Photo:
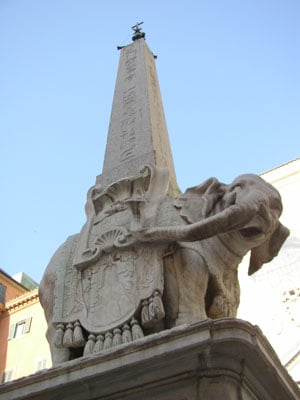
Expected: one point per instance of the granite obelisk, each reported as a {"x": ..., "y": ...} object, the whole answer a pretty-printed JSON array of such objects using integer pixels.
[{"x": 137, "y": 132}]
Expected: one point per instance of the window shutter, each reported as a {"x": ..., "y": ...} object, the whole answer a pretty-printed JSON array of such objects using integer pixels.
[
  {"x": 27, "y": 325},
  {"x": 2, "y": 293},
  {"x": 12, "y": 331}
]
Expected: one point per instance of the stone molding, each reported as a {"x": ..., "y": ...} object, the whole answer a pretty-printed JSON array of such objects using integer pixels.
[
  {"x": 213, "y": 359},
  {"x": 24, "y": 300}
]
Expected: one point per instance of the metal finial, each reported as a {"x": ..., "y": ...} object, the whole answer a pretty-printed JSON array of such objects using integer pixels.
[{"x": 138, "y": 34}]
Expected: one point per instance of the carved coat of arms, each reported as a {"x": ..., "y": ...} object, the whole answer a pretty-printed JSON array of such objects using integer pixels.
[{"x": 109, "y": 280}]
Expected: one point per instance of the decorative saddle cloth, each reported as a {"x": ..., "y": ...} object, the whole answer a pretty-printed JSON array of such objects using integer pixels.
[{"x": 109, "y": 286}]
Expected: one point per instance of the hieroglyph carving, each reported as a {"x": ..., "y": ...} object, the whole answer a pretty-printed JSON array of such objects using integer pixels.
[{"x": 129, "y": 109}]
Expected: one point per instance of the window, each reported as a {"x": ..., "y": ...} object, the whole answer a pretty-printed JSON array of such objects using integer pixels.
[
  {"x": 7, "y": 376},
  {"x": 20, "y": 328},
  {"x": 2, "y": 293}
]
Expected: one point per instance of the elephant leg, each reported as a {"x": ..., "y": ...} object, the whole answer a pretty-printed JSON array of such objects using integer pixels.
[
  {"x": 186, "y": 279},
  {"x": 171, "y": 292},
  {"x": 219, "y": 308},
  {"x": 58, "y": 354},
  {"x": 224, "y": 292}
]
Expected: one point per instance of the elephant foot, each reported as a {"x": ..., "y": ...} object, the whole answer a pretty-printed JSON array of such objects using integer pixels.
[
  {"x": 220, "y": 308},
  {"x": 60, "y": 355}
]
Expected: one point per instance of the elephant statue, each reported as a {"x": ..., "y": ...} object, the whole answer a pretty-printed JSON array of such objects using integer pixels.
[
  {"x": 199, "y": 238},
  {"x": 223, "y": 223}
]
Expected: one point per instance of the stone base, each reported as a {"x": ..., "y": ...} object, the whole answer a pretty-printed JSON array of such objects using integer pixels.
[{"x": 211, "y": 360}]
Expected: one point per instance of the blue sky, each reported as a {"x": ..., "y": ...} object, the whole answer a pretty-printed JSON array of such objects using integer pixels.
[{"x": 229, "y": 78}]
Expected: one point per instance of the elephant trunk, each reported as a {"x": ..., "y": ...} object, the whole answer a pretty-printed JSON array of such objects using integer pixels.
[{"x": 229, "y": 219}]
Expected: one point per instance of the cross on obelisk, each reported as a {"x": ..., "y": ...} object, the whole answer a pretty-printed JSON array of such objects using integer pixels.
[{"x": 137, "y": 132}]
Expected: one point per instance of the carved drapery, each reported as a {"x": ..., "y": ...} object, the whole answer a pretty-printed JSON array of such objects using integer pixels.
[{"x": 110, "y": 284}]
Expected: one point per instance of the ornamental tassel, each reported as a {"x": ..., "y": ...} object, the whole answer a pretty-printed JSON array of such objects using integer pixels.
[
  {"x": 117, "y": 340},
  {"x": 68, "y": 336},
  {"x": 59, "y": 334},
  {"x": 99, "y": 344},
  {"x": 157, "y": 306},
  {"x": 126, "y": 334},
  {"x": 108, "y": 340},
  {"x": 90, "y": 344},
  {"x": 136, "y": 330},
  {"x": 145, "y": 318},
  {"x": 78, "y": 339}
]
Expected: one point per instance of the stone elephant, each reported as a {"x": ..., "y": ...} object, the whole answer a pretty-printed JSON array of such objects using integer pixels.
[
  {"x": 223, "y": 222},
  {"x": 215, "y": 226}
]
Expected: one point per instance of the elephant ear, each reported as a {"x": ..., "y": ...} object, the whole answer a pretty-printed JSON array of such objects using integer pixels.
[
  {"x": 268, "y": 249},
  {"x": 200, "y": 201}
]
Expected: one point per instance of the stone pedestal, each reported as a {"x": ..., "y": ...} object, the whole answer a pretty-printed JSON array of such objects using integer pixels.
[{"x": 211, "y": 360}]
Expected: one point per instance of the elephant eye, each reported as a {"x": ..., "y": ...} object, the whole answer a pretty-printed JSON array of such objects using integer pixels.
[{"x": 276, "y": 205}]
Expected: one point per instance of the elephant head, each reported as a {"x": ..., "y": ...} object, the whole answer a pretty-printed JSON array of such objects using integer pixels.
[{"x": 249, "y": 206}]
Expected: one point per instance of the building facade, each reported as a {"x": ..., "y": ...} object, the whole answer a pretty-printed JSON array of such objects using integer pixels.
[
  {"x": 23, "y": 347},
  {"x": 271, "y": 297}
]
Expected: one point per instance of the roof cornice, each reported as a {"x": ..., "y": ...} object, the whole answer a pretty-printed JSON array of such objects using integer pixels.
[{"x": 22, "y": 301}]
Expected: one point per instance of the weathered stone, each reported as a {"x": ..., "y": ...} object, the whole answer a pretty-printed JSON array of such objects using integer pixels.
[
  {"x": 137, "y": 132},
  {"x": 100, "y": 277},
  {"x": 148, "y": 258},
  {"x": 212, "y": 360},
  {"x": 162, "y": 276}
]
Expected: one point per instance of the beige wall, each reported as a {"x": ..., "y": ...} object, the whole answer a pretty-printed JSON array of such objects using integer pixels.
[
  {"x": 22, "y": 354},
  {"x": 267, "y": 297}
]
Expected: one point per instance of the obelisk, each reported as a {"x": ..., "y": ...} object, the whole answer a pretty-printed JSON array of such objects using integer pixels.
[{"x": 137, "y": 132}]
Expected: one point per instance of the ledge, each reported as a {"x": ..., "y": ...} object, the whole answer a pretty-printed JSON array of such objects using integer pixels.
[
  {"x": 212, "y": 358},
  {"x": 22, "y": 300}
]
